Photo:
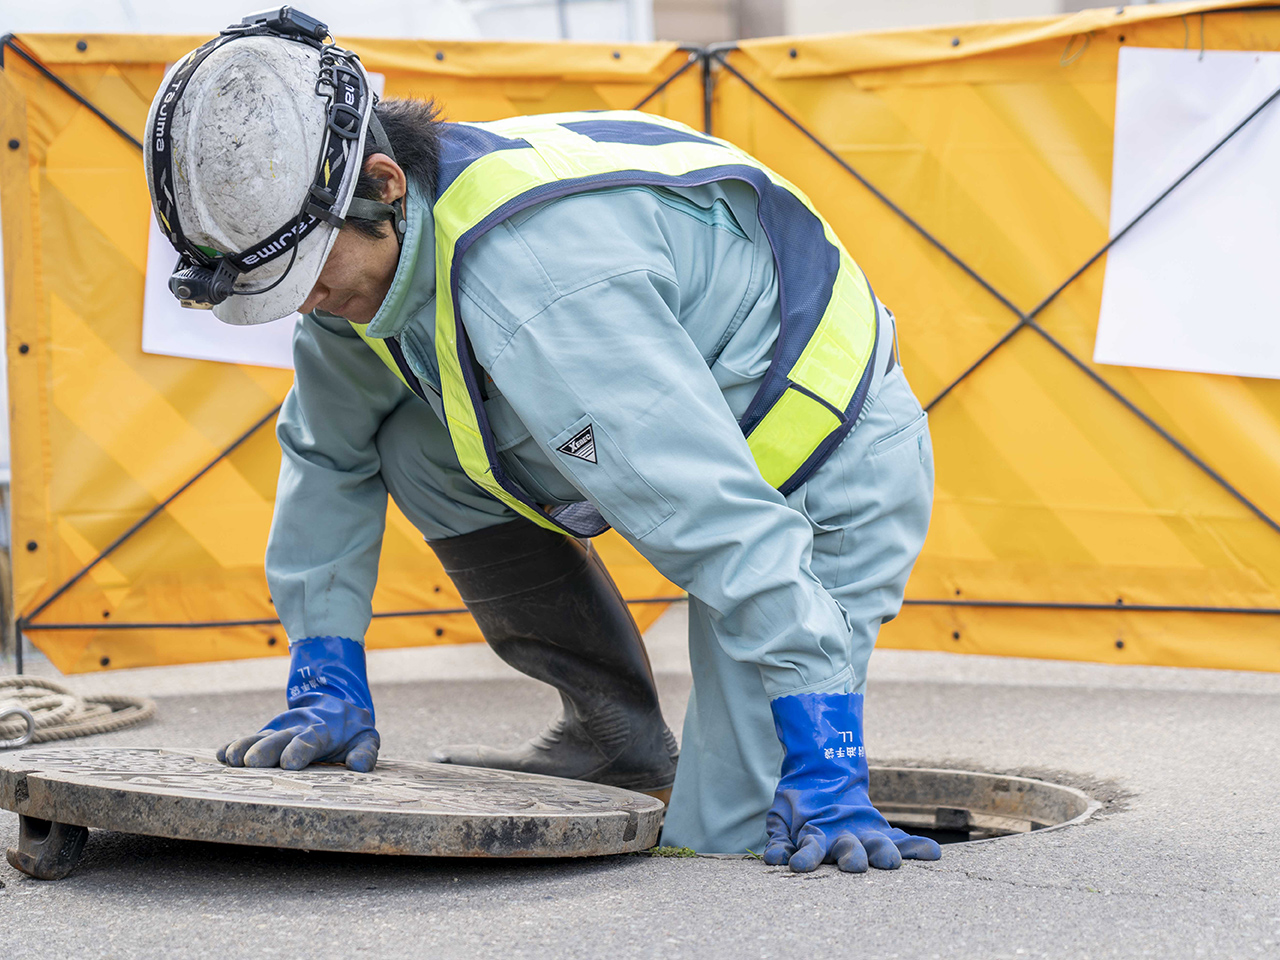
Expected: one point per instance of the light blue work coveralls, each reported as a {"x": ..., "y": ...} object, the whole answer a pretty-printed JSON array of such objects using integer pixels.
[{"x": 651, "y": 314}]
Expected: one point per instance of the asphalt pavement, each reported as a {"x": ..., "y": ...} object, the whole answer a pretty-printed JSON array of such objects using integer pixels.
[{"x": 1183, "y": 859}]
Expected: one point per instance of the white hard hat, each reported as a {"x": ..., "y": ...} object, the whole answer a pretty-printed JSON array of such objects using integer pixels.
[{"x": 246, "y": 136}]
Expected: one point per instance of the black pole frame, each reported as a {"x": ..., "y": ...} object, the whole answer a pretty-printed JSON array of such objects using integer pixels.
[
  {"x": 9, "y": 42},
  {"x": 1027, "y": 319},
  {"x": 710, "y": 61}
]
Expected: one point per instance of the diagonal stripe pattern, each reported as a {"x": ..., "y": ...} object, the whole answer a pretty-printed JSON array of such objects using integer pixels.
[{"x": 1124, "y": 515}]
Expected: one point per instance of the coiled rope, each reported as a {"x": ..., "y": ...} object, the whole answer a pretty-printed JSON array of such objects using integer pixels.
[{"x": 57, "y": 714}]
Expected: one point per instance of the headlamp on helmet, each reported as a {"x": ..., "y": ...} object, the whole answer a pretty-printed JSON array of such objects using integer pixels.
[{"x": 203, "y": 276}]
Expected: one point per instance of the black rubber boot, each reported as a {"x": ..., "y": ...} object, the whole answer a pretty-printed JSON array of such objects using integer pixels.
[{"x": 546, "y": 605}]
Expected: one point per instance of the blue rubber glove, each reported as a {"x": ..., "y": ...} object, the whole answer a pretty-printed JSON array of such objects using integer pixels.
[
  {"x": 330, "y": 715},
  {"x": 821, "y": 812}
]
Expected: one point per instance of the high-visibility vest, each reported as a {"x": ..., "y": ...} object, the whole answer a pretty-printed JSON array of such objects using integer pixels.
[{"x": 821, "y": 370}]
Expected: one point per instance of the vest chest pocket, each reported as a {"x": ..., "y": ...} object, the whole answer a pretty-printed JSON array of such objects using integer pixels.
[{"x": 599, "y": 469}]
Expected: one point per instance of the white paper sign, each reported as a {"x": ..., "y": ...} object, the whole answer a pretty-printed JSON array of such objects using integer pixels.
[
  {"x": 170, "y": 329},
  {"x": 1196, "y": 285},
  {"x": 175, "y": 331}
]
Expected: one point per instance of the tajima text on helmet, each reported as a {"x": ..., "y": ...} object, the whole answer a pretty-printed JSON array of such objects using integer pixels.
[
  {"x": 162, "y": 112},
  {"x": 275, "y": 246},
  {"x": 162, "y": 119}
]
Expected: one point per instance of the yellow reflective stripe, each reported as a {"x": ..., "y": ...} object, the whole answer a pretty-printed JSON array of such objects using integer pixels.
[
  {"x": 380, "y": 348},
  {"x": 537, "y": 516},
  {"x": 469, "y": 446},
  {"x": 830, "y": 366},
  {"x": 789, "y": 433},
  {"x": 674, "y": 159},
  {"x": 836, "y": 356},
  {"x": 462, "y": 423},
  {"x": 500, "y": 176},
  {"x": 486, "y": 185}
]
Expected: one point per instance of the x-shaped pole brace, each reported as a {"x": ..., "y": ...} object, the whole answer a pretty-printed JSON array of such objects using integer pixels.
[{"x": 1027, "y": 319}]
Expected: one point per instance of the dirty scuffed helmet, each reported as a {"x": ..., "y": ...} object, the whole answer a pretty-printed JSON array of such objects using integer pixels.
[{"x": 245, "y": 142}]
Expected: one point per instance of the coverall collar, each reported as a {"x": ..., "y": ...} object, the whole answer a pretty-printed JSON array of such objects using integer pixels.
[{"x": 414, "y": 285}]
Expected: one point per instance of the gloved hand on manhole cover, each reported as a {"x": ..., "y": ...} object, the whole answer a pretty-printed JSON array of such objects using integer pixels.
[
  {"x": 821, "y": 812},
  {"x": 330, "y": 717}
]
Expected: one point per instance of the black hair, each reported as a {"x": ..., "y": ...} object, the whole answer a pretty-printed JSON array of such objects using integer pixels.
[{"x": 412, "y": 128}]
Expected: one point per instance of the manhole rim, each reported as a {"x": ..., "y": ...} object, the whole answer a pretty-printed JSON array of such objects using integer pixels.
[{"x": 1092, "y": 805}]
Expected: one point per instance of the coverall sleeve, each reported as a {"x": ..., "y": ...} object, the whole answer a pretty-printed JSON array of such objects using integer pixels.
[
  {"x": 672, "y": 471},
  {"x": 331, "y": 504}
]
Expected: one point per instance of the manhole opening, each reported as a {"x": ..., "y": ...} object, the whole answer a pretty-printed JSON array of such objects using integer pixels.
[{"x": 960, "y": 806}]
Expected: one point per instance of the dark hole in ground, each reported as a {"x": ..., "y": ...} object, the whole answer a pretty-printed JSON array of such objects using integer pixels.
[
  {"x": 959, "y": 806},
  {"x": 942, "y": 836},
  {"x": 959, "y": 836}
]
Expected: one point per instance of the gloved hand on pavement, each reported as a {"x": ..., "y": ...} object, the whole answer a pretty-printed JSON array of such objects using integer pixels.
[
  {"x": 330, "y": 716},
  {"x": 821, "y": 812}
]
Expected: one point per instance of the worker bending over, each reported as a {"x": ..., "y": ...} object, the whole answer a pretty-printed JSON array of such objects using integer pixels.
[{"x": 526, "y": 332}]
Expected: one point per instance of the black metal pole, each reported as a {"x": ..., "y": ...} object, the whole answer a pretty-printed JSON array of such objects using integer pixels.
[
  {"x": 147, "y": 518},
  {"x": 1118, "y": 606},
  {"x": 694, "y": 56},
  {"x": 8, "y": 41},
  {"x": 708, "y": 93},
  {"x": 274, "y": 621}
]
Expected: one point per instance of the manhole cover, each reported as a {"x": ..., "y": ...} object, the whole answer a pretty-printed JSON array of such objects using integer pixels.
[
  {"x": 401, "y": 808},
  {"x": 958, "y": 806}
]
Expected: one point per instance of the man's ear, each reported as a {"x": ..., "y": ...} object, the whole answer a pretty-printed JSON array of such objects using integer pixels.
[{"x": 384, "y": 168}]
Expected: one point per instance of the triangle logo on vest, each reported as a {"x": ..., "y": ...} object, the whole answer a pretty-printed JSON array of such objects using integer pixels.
[{"x": 581, "y": 445}]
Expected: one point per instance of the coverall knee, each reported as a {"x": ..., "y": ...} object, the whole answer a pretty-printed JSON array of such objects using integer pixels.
[{"x": 869, "y": 508}]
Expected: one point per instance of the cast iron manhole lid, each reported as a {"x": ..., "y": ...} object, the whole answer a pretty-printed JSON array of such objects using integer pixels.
[{"x": 403, "y": 807}]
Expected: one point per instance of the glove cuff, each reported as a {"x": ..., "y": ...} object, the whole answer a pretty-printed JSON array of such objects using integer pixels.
[
  {"x": 332, "y": 666},
  {"x": 822, "y": 736}
]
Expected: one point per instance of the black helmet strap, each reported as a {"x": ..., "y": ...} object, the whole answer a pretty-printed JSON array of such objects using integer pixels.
[
  {"x": 202, "y": 279},
  {"x": 364, "y": 209}
]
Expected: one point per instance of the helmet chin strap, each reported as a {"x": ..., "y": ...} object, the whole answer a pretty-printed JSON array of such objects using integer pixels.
[
  {"x": 375, "y": 209},
  {"x": 363, "y": 209}
]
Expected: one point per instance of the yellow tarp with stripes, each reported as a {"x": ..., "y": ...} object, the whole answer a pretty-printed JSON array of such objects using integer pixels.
[
  {"x": 103, "y": 433},
  {"x": 1064, "y": 526}
]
